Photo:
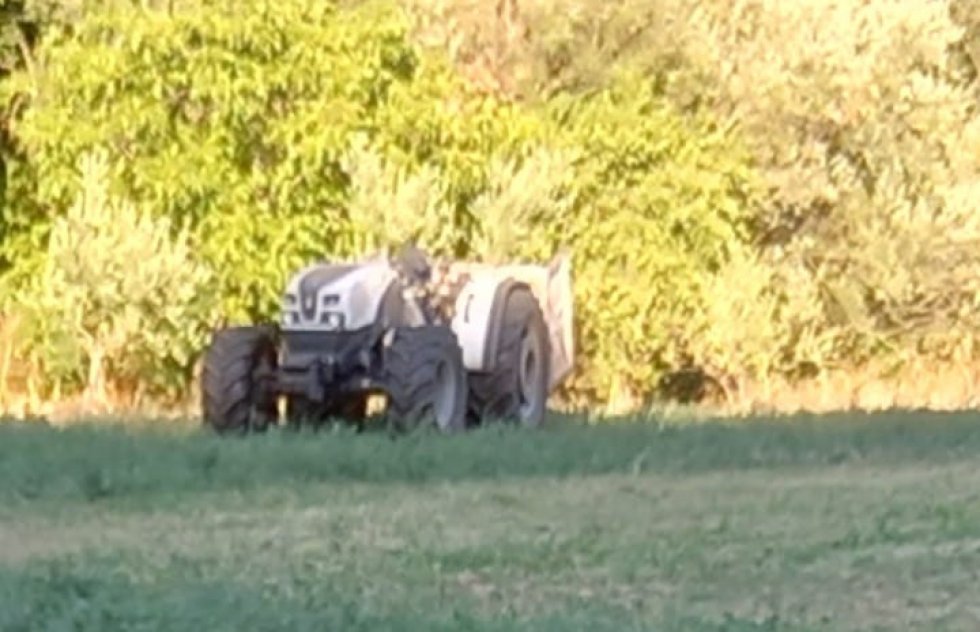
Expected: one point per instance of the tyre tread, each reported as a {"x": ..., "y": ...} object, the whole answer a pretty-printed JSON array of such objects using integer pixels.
[
  {"x": 227, "y": 386},
  {"x": 493, "y": 394},
  {"x": 410, "y": 363}
]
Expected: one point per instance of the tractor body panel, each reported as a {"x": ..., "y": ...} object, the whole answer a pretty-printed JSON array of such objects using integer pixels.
[
  {"x": 336, "y": 297},
  {"x": 334, "y": 316},
  {"x": 322, "y": 365},
  {"x": 472, "y": 317},
  {"x": 476, "y": 316}
]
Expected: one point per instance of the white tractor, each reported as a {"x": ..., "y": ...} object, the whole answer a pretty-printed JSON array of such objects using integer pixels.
[{"x": 449, "y": 344}]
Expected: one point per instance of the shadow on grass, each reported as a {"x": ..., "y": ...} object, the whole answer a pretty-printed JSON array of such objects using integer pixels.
[{"x": 94, "y": 461}]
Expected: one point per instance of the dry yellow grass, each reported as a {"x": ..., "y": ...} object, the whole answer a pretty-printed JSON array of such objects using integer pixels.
[{"x": 919, "y": 386}]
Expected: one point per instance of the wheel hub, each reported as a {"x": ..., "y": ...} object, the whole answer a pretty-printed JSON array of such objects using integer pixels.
[
  {"x": 444, "y": 403},
  {"x": 528, "y": 375}
]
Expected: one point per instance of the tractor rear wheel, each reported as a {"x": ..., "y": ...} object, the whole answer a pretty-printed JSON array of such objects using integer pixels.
[
  {"x": 516, "y": 389},
  {"x": 425, "y": 379},
  {"x": 233, "y": 398}
]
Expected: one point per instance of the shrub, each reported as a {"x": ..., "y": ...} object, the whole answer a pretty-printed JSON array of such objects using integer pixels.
[
  {"x": 967, "y": 14},
  {"x": 389, "y": 205},
  {"x": 526, "y": 205},
  {"x": 662, "y": 203},
  {"x": 861, "y": 118},
  {"x": 651, "y": 201},
  {"x": 121, "y": 300},
  {"x": 240, "y": 120},
  {"x": 231, "y": 117},
  {"x": 532, "y": 50},
  {"x": 279, "y": 137},
  {"x": 869, "y": 137},
  {"x": 442, "y": 121}
]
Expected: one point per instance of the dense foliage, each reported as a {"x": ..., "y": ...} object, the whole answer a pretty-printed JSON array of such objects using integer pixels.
[
  {"x": 861, "y": 119},
  {"x": 118, "y": 292},
  {"x": 735, "y": 200}
]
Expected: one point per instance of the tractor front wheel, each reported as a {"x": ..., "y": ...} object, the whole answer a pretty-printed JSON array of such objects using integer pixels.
[
  {"x": 425, "y": 379},
  {"x": 233, "y": 397}
]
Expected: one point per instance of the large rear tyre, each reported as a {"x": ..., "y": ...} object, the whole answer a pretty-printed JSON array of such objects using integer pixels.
[
  {"x": 516, "y": 389},
  {"x": 233, "y": 397},
  {"x": 425, "y": 379}
]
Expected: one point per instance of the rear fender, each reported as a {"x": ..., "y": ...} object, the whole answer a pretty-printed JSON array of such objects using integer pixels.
[
  {"x": 479, "y": 310},
  {"x": 472, "y": 320}
]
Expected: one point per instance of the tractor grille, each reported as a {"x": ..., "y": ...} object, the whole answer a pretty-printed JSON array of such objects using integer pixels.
[{"x": 340, "y": 344}]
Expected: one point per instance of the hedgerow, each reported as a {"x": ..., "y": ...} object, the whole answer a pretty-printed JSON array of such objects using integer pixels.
[
  {"x": 861, "y": 121},
  {"x": 281, "y": 134},
  {"x": 757, "y": 188},
  {"x": 119, "y": 301}
]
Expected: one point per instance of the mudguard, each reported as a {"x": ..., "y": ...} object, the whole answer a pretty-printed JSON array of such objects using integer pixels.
[{"x": 477, "y": 319}]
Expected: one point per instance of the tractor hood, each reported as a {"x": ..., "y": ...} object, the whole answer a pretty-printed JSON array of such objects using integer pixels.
[{"x": 334, "y": 297}]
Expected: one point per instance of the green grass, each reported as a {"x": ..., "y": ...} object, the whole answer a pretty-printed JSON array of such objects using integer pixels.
[{"x": 840, "y": 523}]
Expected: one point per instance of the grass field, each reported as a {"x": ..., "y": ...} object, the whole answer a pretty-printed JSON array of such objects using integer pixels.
[{"x": 838, "y": 523}]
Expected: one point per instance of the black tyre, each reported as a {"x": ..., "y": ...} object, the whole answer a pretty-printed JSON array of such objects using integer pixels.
[
  {"x": 425, "y": 379},
  {"x": 517, "y": 387},
  {"x": 233, "y": 398}
]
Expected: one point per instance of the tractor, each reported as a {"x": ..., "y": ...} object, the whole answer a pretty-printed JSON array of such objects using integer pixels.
[{"x": 444, "y": 344}]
